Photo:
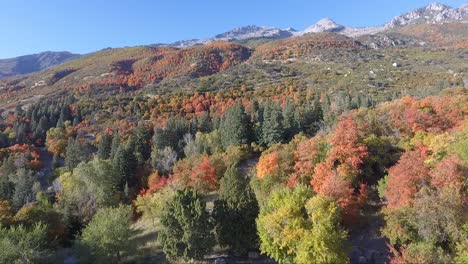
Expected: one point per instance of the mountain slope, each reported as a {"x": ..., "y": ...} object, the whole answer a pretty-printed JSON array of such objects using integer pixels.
[
  {"x": 125, "y": 68},
  {"x": 32, "y": 63},
  {"x": 236, "y": 35}
]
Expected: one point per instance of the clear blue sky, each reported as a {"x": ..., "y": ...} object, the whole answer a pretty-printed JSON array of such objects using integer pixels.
[{"x": 81, "y": 26}]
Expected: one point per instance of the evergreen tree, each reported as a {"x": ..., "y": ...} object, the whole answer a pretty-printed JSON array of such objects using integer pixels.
[
  {"x": 171, "y": 135},
  {"x": 272, "y": 126},
  {"x": 186, "y": 227},
  {"x": 23, "y": 193},
  {"x": 235, "y": 213},
  {"x": 22, "y": 245},
  {"x": 73, "y": 154},
  {"x": 235, "y": 126},
  {"x": 204, "y": 123},
  {"x": 290, "y": 124},
  {"x": 105, "y": 146},
  {"x": 142, "y": 144},
  {"x": 115, "y": 144},
  {"x": 125, "y": 163}
]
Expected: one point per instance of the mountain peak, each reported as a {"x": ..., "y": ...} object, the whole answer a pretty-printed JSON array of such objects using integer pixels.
[
  {"x": 436, "y": 7},
  {"x": 324, "y": 25},
  {"x": 253, "y": 31},
  {"x": 434, "y": 13}
]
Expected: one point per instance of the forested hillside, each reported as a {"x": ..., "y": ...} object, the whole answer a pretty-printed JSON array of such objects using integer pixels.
[{"x": 318, "y": 148}]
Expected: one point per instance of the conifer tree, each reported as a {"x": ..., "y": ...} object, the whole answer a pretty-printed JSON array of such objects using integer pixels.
[
  {"x": 105, "y": 146},
  {"x": 235, "y": 126},
  {"x": 272, "y": 126},
  {"x": 186, "y": 227},
  {"x": 235, "y": 213}
]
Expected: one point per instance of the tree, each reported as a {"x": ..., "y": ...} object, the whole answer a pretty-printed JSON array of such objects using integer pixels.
[
  {"x": 19, "y": 244},
  {"x": 73, "y": 154},
  {"x": 406, "y": 177},
  {"x": 290, "y": 123},
  {"x": 171, "y": 135},
  {"x": 163, "y": 160},
  {"x": 23, "y": 181},
  {"x": 56, "y": 140},
  {"x": 6, "y": 213},
  {"x": 295, "y": 227},
  {"x": 31, "y": 214},
  {"x": 235, "y": 126},
  {"x": 235, "y": 212},
  {"x": 142, "y": 144},
  {"x": 325, "y": 241},
  {"x": 272, "y": 126},
  {"x": 201, "y": 173},
  {"x": 105, "y": 146},
  {"x": 282, "y": 223},
  {"x": 125, "y": 163},
  {"x": 186, "y": 227},
  {"x": 91, "y": 186},
  {"x": 115, "y": 144},
  {"x": 108, "y": 234}
]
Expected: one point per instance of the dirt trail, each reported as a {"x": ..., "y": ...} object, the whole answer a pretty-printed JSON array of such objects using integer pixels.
[{"x": 368, "y": 246}]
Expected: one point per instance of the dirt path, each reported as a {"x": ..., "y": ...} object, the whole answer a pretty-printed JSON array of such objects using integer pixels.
[
  {"x": 46, "y": 169},
  {"x": 368, "y": 246}
]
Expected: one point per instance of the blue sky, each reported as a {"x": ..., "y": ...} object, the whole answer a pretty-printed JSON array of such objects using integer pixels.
[{"x": 81, "y": 26}]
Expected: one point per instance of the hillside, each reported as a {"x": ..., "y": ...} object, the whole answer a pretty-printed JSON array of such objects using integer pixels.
[
  {"x": 33, "y": 63},
  {"x": 260, "y": 145}
]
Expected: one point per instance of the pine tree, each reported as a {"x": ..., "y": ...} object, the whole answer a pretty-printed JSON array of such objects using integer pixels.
[
  {"x": 115, "y": 144},
  {"x": 290, "y": 124},
  {"x": 204, "y": 123},
  {"x": 235, "y": 126},
  {"x": 105, "y": 146},
  {"x": 235, "y": 212},
  {"x": 186, "y": 227},
  {"x": 272, "y": 126},
  {"x": 125, "y": 164},
  {"x": 142, "y": 144},
  {"x": 73, "y": 154}
]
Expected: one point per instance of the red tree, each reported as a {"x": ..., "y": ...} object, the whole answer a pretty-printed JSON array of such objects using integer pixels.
[{"x": 406, "y": 177}]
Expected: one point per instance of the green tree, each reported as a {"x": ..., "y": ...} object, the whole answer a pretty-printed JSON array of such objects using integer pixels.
[
  {"x": 171, "y": 135},
  {"x": 105, "y": 146},
  {"x": 272, "y": 126},
  {"x": 125, "y": 163},
  {"x": 31, "y": 214},
  {"x": 235, "y": 212},
  {"x": 115, "y": 144},
  {"x": 19, "y": 244},
  {"x": 24, "y": 180},
  {"x": 325, "y": 240},
  {"x": 295, "y": 227},
  {"x": 186, "y": 227},
  {"x": 107, "y": 236},
  {"x": 142, "y": 144},
  {"x": 235, "y": 126},
  {"x": 73, "y": 154},
  {"x": 290, "y": 123},
  {"x": 91, "y": 186}
]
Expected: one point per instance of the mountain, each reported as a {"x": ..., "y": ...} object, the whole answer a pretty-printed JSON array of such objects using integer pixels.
[
  {"x": 32, "y": 63},
  {"x": 328, "y": 25},
  {"x": 236, "y": 35},
  {"x": 434, "y": 13}
]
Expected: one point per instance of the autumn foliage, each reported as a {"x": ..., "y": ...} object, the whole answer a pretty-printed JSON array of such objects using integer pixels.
[{"x": 406, "y": 177}]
